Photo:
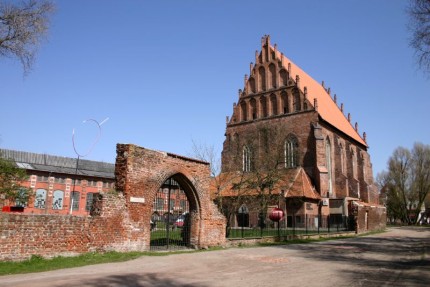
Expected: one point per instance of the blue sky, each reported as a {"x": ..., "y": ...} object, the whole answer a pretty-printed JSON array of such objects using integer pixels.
[{"x": 166, "y": 73}]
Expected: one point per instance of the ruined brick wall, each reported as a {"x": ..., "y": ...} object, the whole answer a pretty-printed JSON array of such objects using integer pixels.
[
  {"x": 140, "y": 172},
  {"x": 23, "y": 235},
  {"x": 371, "y": 218}
]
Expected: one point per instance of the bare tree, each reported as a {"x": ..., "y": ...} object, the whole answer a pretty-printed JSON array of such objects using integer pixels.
[
  {"x": 419, "y": 11},
  {"x": 263, "y": 178},
  {"x": 22, "y": 26},
  {"x": 407, "y": 182}
]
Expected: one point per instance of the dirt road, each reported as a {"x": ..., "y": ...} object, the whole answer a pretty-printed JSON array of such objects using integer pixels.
[{"x": 399, "y": 257}]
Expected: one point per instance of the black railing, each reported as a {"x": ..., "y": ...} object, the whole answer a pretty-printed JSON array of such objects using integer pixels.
[{"x": 289, "y": 225}]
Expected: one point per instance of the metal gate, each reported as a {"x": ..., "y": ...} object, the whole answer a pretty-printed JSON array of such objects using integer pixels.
[{"x": 170, "y": 219}]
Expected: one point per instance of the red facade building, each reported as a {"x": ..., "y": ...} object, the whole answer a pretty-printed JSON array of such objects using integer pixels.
[{"x": 61, "y": 185}]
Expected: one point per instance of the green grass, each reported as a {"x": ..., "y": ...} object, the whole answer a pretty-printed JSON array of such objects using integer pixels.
[{"x": 38, "y": 264}]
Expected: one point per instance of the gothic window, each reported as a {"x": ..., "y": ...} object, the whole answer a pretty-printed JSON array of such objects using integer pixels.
[
  {"x": 247, "y": 159},
  {"x": 272, "y": 73},
  {"x": 342, "y": 159},
  {"x": 284, "y": 77},
  {"x": 244, "y": 111},
  {"x": 253, "y": 104},
  {"x": 263, "y": 106},
  {"x": 40, "y": 200},
  {"x": 291, "y": 152},
  {"x": 284, "y": 99},
  {"x": 58, "y": 199},
  {"x": 354, "y": 163},
  {"x": 262, "y": 78},
  {"x": 329, "y": 165},
  {"x": 251, "y": 82},
  {"x": 274, "y": 104},
  {"x": 297, "y": 103}
]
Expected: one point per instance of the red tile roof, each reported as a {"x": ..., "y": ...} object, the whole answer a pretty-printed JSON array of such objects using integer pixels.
[
  {"x": 327, "y": 108},
  {"x": 294, "y": 182}
]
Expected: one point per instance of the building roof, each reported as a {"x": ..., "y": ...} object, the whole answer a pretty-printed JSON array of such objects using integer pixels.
[
  {"x": 58, "y": 164},
  {"x": 327, "y": 108},
  {"x": 294, "y": 182},
  {"x": 300, "y": 185}
]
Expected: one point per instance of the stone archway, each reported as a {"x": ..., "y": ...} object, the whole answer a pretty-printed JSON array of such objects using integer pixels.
[{"x": 139, "y": 174}]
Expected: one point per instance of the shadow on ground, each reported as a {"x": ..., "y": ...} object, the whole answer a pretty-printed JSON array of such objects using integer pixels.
[
  {"x": 403, "y": 261},
  {"x": 130, "y": 280}
]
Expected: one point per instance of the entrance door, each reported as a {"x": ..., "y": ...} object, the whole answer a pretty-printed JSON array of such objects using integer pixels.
[{"x": 170, "y": 220}]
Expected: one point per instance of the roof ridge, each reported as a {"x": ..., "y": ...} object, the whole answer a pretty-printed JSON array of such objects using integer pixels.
[{"x": 316, "y": 91}]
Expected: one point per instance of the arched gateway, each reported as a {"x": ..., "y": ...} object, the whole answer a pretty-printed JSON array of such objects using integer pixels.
[{"x": 150, "y": 181}]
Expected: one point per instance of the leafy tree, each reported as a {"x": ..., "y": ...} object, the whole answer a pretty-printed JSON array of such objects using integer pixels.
[
  {"x": 22, "y": 26},
  {"x": 419, "y": 12},
  {"x": 11, "y": 191},
  {"x": 407, "y": 182}
]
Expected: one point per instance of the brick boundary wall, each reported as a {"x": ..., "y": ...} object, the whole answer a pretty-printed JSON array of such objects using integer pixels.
[
  {"x": 376, "y": 218},
  {"x": 123, "y": 224},
  {"x": 24, "y": 235}
]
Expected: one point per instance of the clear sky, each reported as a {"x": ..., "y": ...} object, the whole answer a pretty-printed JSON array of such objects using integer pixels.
[{"x": 166, "y": 73}]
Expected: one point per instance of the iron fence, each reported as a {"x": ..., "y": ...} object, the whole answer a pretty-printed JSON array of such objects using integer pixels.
[{"x": 256, "y": 225}]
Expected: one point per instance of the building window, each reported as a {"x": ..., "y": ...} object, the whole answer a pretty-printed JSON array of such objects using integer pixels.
[
  {"x": 159, "y": 203},
  {"x": 291, "y": 151},
  {"x": 342, "y": 159},
  {"x": 184, "y": 205},
  {"x": 329, "y": 166},
  {"x": 58, "y": 199},
  {"x": 40, "y": 199},
  {"x": 90, "y": 200},
  {"x": 74, "y": 198},
  {"x": 246, "y": 159},
  {"x": 354, "y": 163}
]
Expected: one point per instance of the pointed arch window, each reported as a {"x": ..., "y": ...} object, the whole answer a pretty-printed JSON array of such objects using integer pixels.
[
  {"x": 342, "y": 159},
  {"x": 253, "y": 106},
  {"x": 291, "y": 152},
  {"x": 262, "y": 78},
  {"x": 283, "y": 74},
  {"x": 284, "y": 100},
  {"x": 244, "y": 111},
  {"x": 297, "y": 102},
  {"x": 329, "y": 165},
  {"x": 263, "y": 107},
  {"x": 251, "y": 82},
  {"x": 247, "y": 159},
  {"x": 354, "y": 163},
  {"x": 272, "y": 74},
  {"x": 274, "y": 104}
]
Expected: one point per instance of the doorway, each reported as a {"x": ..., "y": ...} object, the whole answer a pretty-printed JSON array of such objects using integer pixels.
[{"x": 170, "y": 218}]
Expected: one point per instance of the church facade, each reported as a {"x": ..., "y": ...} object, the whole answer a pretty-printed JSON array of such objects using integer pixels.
[{"x": 288, "y": 136}]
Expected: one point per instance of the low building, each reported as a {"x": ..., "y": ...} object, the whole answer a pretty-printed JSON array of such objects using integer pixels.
[{"x": 61, "y": 185}]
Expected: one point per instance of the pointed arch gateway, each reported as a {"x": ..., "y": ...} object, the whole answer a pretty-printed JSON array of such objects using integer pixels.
[
  {"x": 171, "y": 214},
  {"x": 145, "y": 177}
]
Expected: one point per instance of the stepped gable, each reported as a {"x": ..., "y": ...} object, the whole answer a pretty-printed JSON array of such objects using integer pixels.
[{"x": 314, "y": 91}]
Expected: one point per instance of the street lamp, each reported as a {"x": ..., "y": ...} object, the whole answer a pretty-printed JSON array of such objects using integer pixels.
[{"x": 99, "y": 133}]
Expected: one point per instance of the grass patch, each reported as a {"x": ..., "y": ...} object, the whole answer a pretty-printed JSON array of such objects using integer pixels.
[{"x": 39, "y": 264}]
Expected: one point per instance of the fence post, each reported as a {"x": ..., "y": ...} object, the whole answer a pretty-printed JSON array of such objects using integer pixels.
[
  {"x": 306, "y": 223},
  {"x": 328, "y": 223}
]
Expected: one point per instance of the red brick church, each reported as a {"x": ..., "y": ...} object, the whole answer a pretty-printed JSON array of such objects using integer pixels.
[{"x": 289, "y": 136}]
